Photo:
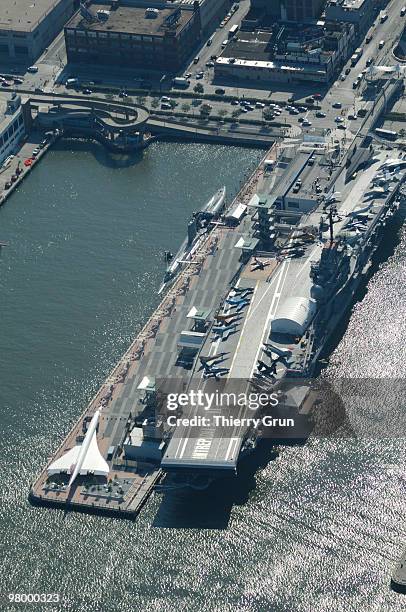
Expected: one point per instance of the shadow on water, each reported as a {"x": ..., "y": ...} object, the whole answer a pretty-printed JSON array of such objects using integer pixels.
[
  {"x": 101, "y": 154},
  {"x": 211, "y": 508}
]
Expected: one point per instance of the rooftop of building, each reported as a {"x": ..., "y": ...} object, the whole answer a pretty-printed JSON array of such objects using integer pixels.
[
  {"x": 24, "y": 16},
  {"x": 348, "y": 5},
  {"x": 5, "y": 114},
  {"x": 133, "y": 20},
  {"x": 312, "y": 177},
  {"x": 282, "y": 44},
  {"x": 304, "y": 166}
]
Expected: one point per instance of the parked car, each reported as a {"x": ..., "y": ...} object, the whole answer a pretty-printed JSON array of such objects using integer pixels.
[
  {"x": 220, "y": 91},
  {"x": 320, "y": 114},
  {"x": 32, "y": 69},
  {"x": 336, "y": 104}
]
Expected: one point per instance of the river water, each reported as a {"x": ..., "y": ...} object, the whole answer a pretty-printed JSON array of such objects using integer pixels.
[{"x": 316, "y": 529}]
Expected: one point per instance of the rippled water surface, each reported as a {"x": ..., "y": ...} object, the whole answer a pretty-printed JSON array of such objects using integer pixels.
[{"x": 317, "y": 529}]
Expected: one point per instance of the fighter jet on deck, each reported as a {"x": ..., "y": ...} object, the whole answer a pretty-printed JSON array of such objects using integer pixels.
[
  {"x": 277, "y": 350},
  {"x": 215, "y": 372},
  {"x": 243, "y": 289},
  {"x": 227, "y": 318},
  {"x": 238, "y": 303},
  {"x": 211, "y": 358},
  {"x": 360, "y": 211},
  {"x": 257, "y": 264},
  {"x": 223, "y": 331},
  {"x": 208, "y": 363},
  {"x": 263, "y": 368}
]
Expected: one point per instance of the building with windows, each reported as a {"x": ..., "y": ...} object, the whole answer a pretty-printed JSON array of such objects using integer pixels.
[
  {"x": 28, "y": 27},
  {"x": 289, "y": 53},
  {"x": 359, "y": 12},
  {"x": 12, "y": 125},
  {"x": 134, "y": 37},
  {"x": 287, "y": 10}
]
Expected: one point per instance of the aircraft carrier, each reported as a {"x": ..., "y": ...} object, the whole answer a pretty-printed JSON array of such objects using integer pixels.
[{"x": 251, "y": 312}]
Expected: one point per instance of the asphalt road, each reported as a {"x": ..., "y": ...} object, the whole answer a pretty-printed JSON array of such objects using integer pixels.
[{"x": 52, "y": 72}]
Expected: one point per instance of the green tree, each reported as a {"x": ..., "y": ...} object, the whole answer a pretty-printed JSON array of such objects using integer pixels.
[
  {"x": 141, "y": 100},
  {"x": 198, "y": 88},
  {"x": 205, "y": 110},
  {"x": 267, "y": 114},
  {"x": 185, "y": 107},
  {"x": 109, "y": 96},
  {"x": 236, "y": 113},
  {"x": 155, "y": 103},
  {"x": 223, "y": 112},
  {"x": 173, "y": 103}
]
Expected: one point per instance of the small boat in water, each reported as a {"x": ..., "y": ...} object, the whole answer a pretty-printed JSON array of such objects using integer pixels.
[{"x": 197, "y": 227}]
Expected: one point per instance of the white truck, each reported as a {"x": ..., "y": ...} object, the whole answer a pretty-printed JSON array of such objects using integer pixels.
[{"x": 180, "y": 82}]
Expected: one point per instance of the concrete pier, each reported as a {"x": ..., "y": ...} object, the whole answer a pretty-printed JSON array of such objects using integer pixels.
[{"x": 153, "y": 351}]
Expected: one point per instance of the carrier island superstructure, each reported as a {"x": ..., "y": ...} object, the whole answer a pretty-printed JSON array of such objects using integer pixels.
[{"x": 271, "y": 279}]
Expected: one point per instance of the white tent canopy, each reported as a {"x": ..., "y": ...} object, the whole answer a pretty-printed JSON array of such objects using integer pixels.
[{"x": 293, "y": 316}]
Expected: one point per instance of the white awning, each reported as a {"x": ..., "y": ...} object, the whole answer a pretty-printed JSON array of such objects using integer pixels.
[
  {"x": 238, "y": 212},
  {"x": 190, "y": 339},
  {"x": 294, "y": 316}
]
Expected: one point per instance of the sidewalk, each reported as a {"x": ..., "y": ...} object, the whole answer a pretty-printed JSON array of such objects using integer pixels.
[{"x": 25, "y": 152}]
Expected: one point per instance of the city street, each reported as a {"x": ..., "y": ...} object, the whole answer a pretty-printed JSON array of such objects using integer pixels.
[{"x": 337, "y": 103}]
